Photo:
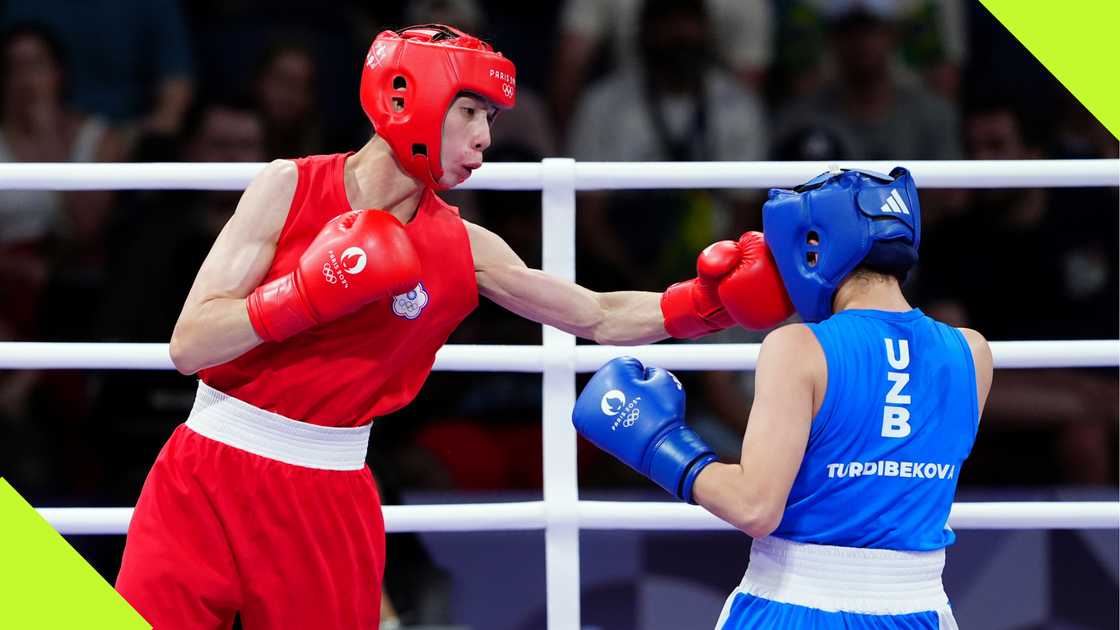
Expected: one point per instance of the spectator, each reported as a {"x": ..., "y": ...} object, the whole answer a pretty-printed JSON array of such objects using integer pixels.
[
  {"x": 741, "y": 30},
  {"x": 131, "y": 60},
  {"x": 879, "y": 115},
  {"x": 284, "y": 91},
  {"x": 935, "y": 43},
  {"x": 814, "y": 144},
  {"x": 676, "y": 105},
  {"x": 38, "y": 125},
  {"x": 932, "y": 44},
  {"x": 51, "y": 259}
]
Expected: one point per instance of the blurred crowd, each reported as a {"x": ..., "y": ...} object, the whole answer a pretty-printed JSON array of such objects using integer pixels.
[{"x": 600, "y": 80}]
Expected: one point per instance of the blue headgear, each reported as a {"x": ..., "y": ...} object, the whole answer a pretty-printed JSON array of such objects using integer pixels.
[{"x": 823, "y": 229}]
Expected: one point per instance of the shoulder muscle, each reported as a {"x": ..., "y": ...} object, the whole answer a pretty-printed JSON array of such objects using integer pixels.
[
  {"x": 263, "y": 207},
  {"x": 244, "y": 249},
  {"x": 983, "y": 362},
  {"x": 792, "y": 361},
  {"x": 488, "y": 249}
]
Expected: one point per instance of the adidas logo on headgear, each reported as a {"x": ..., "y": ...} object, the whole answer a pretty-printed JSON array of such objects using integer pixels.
[{"x": 895, "y": 204}]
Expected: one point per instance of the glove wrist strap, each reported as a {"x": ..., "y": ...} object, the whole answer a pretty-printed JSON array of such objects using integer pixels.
[
  {"x": 676, "y": 461},
  {"x": 277, "y": 310},
  {"x": 682, "y": 321}
]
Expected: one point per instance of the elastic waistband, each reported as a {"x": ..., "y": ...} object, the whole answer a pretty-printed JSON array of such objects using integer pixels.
[
  {"x": 848, "y": 579},
  {"x": 241, "y": 425}
]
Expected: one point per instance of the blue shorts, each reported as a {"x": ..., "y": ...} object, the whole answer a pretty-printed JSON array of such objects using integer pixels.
[
  {"x": 748, "y": 612},
  {"x": 821, "y": 587}
]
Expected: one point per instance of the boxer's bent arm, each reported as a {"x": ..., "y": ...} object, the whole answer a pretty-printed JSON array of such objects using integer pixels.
[
  {"x": 619, "y": 317},
  {"x": 213, "y": 326},
  {"x": 752, "y": 494}
]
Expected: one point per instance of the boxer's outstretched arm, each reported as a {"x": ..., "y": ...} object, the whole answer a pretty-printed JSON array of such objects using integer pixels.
[
  {"x": 752, "y": 494},
  {"x": 213, "y": 326},
  {"x": 619, "y": 317}
]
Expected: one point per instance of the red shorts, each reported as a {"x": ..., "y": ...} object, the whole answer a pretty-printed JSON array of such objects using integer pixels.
[{"x": 219, "y": 530}]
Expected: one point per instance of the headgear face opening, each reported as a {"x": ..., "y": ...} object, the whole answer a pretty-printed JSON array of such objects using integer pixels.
[
  {"x": 411, "y": 76},
  {"x": 822, "y": 230}
]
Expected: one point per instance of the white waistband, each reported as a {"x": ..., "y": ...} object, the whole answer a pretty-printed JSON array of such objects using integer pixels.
[
  {"x": 868, "y": 581},
  {"x": 241, "y": 425}
]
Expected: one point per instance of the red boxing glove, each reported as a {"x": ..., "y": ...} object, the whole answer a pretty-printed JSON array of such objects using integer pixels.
[
  {"x": 693, "y": 308},
  {"x": 357, "y": 258},
  {"x": 752, "y": 291}
]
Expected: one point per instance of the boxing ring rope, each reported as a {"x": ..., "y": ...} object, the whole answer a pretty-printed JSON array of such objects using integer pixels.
[
  {"x": 631, "y": 515},
  {"x": 589, "y": 175},
  {"x": 498, "y": 358},
  {"x": 561, "y": 515}
]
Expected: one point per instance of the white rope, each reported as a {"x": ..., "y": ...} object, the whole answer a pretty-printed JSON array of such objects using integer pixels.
[
  {"x": 465, "y": 517},
  {"x": 37, "y": 355},
  {"x": 495, "y": 358},
  {"x": 927, "y": 174},
  {"x": 1035, "y": 515},
  {"x": 1014, "y": 515},
  {"x": 588, "y": 175},
  {"x": 113, "y": 176},
  {"x": 734, "y": 356},
  {"x": 629, "y": 515},
  {"x": 469, "y": 517}
]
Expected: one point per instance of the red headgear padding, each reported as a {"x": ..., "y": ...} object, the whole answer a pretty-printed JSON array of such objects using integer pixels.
[{"x": 410, "y": 78}]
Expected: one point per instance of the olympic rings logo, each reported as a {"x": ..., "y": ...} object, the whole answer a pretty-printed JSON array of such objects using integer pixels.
[
  {"x": 631, "y": 417},
  {"x": 328, "y": 274},
  {"x": 507, "y": 89}
]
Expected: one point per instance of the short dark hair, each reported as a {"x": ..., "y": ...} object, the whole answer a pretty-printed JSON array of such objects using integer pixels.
[
  {"x": 41, "y": 32},
  {"x": 278, "y": 46},
  {"x": 45, "y": 35},
  {"x": 890, "y": 258},
  {"x": 981, "y": 103},
  {"x": 202, "y": 105}
]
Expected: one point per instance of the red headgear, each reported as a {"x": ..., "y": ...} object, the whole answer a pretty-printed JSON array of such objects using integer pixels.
[{"x": 410, "y": 78}]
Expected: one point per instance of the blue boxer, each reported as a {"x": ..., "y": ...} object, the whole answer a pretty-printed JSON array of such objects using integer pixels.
[{"x": 861, "y": 421}]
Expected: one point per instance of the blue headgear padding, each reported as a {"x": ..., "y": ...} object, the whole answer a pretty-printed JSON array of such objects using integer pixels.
[{"x": 842, "y": 219}]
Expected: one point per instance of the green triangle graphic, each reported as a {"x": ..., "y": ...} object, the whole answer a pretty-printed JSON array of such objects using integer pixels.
[
  {"x": 45, "y": 583},
  {"x": 1078, "y": 43}
]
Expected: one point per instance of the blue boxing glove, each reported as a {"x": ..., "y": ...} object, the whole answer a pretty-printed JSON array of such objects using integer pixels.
[{"x": 637, "y": 414}]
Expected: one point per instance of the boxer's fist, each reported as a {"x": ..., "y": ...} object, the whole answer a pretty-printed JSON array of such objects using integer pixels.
[
  {"x": 751, "y": 289},
  {"x": 357, "y": 258},
  {"x": 692, "y": 308},
  {"x": 637, "y": 415}
]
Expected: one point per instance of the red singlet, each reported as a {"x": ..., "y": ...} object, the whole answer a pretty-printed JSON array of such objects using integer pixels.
[{"x": 373, "y": 361}]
